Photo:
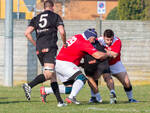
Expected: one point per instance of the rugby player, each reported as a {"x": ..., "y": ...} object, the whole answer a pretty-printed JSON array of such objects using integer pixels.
[
  {"x": 113, "y": 45},
  {"x": 46, "y": 25},
  {"x": 68, "y": 60},
  {"x": 94, "y": 69}
]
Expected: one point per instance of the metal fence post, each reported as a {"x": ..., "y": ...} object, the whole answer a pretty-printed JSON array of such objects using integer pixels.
[{"x": 8, "y": 78}]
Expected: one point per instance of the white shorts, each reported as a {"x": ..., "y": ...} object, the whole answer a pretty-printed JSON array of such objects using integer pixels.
[
  {"x": 65, "y": 70},
  {"x": 117, "y": 68}
]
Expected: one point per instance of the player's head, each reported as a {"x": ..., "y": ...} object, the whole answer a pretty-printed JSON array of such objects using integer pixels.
[
  {"x": 108, "y": 36},
  {"x": 48, "y": 4},
  {"x": 90, "y": 34}
]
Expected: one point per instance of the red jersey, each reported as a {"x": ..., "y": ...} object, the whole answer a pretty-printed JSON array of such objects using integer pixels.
[
  {"x": 77, "y": 48},
  {"x": 115, "y": 47}
]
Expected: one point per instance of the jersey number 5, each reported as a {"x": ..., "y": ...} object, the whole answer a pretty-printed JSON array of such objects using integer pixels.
[{"x": 43, "y": 20}]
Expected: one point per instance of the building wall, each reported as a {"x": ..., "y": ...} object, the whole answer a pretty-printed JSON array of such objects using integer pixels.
[
  {"x": 135, "y": 47},
  {"x": 86, "y": 10},
  {"x": 81, "y": 10},
  {"x": 74, "y": 10},
  {"x": 22, "y": 9}
]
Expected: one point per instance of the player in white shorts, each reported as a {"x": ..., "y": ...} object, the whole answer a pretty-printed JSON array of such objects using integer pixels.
[
  {"x": 68, "y": 60},
  {"x": 113, "y": 45}
]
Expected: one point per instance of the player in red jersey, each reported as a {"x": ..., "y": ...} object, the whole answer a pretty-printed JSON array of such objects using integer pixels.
[
  {"x": 113, "y": 45},
  {"x": 67, "y": 62}
]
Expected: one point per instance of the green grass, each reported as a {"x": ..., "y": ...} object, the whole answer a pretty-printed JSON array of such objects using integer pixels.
[{"x": 12, "y": 100}]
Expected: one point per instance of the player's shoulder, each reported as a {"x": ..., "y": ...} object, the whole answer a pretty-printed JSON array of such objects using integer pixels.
[
  {"x": 47, "y": 12},
  {"x": 100, "y": 38},
  {"x": 117, "y": 39},
  {"x": 101, "y": 41},
  {"x": 79, "y": 37}
]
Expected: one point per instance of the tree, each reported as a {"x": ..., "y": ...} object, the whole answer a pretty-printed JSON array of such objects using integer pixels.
[
  {"x": 113, "y": 14},
  {"x": 147, "y": 10},
  {"x": 132, "y": 9}
]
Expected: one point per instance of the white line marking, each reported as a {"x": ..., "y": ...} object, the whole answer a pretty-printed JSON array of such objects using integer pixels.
[{"x": 117, "y": 110}]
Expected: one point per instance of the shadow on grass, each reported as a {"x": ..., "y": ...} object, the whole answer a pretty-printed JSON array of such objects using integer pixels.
[
  {"x": 6, "y": 100},
  {"x": 12, "y": 102}
]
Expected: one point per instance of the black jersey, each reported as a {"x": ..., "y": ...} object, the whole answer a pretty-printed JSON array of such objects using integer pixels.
[
  {"x": 88, "y": 57},
  {"x": 100, "y": 66},
  {"x": 45, "y": 25}
]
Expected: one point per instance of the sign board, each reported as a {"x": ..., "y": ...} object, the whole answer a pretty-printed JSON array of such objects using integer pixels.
[{"x": 101, "y": 7}]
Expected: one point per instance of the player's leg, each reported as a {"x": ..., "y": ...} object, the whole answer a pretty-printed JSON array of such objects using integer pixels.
[
  {"x": 95, "y": 94},
  {"x": 110, "y": 84},
  {"x": 124, "y": 79},
  {"x": 51, "y": 75},
  {"x": 65, "y": 88},
  {"x": 90, "y": 71},
  {"x": 48, "y": 61},
  {"x": 69, "y": 71},
  {"x": 38, "y": 79},
  {"x": 78, "y": 84}
]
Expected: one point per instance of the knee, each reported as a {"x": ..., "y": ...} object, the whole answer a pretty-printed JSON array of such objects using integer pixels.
[
  {"x": 127, "y": 84},
  {"x": 48, "y": 76},
  {"x": 108, "y": 78},
  {"x": 128, "y": 88},
  {"x": 48, "y": 73}
]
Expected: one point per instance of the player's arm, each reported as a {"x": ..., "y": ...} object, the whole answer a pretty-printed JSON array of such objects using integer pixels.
[
  {"x": 100, "y": 55},
  {"x": 112, "y": 54},
  {"x": 61, "y": 29},
  {"x": 62, "y": 34},
  {"x": 88, "y": 47},
  {"x": 28, "y": 32}
]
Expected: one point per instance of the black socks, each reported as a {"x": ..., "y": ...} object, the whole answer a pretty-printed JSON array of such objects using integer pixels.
[
  {"x": 55, "y": 88},
  {"x": 39, "y": 79}
]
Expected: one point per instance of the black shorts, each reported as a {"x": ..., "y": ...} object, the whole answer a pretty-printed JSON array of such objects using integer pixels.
[
  {"x": 69, "y": 82},
  {"x": 48, "y": 57},
  {"x": 98, "y": 68}
]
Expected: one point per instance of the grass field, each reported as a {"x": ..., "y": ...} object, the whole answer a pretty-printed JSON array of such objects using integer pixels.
[{"x": 12, "y": 100}]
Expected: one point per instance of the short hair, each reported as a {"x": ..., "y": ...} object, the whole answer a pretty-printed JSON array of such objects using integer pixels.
[
  {"x": 108, "y": 33},
  {"x": 48, "y": 3}
]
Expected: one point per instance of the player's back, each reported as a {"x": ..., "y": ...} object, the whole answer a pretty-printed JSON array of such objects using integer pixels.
[
  {"x": 46, "y": 20},
  {"x": 46, "y": 29},
  {"x": 77, "y": 48}
]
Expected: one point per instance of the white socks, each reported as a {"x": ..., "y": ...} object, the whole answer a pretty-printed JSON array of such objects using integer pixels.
[
  {"x": 77, "y": 86},
  {"x": 113, "y": 91},
  {"x": 97, "y": 95},
  {"x": 49, "y": 90},
  {"x": 129, "y": 94}
]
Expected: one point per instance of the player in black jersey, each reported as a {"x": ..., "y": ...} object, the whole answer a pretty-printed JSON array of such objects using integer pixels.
[
  {"x": 94, "y": 69},
  {"x": 46, "y": 25}
]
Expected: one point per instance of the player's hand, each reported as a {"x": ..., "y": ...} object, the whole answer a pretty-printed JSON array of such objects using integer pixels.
[
  {"x": 108, "y": 53},
  {"x": 111, "y": 54},
  {"x": 92, "y": 62}
]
